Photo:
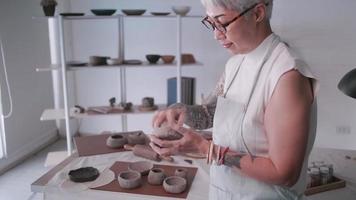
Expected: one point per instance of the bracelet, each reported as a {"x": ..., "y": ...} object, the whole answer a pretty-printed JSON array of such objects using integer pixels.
[{"x": 207, "y": 154}]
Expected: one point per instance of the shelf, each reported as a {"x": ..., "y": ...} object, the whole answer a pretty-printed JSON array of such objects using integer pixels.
[
  {"x": 47, "y": 69},
  {"x": 144, "y": 65},
  {"x": 94, "y": 17},
  {"x": 55, "y": 114}
]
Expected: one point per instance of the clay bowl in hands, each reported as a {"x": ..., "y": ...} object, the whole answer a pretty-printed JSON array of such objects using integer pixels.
[
  {"x": 174, "y": 184},
  {"x": 167, "y": 59},
  {"x": 164, "y": 132},
  {"x": 143, "y": 167},
  {"x": 156, "y": 176},
  {"x": 153, "y": 58},
  {"x": 181, "y": 172},
  {"x": 129, "y": 179},
  {"x": 116, "y": 141},
  {"x": 181, "y": 10}
]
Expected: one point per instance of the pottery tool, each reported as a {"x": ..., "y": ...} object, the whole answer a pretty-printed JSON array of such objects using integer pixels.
[{"x": 146, "y": 151}]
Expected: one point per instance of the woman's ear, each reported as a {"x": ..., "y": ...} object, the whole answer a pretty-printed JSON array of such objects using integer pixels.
[{"x": 260, "y": 12}]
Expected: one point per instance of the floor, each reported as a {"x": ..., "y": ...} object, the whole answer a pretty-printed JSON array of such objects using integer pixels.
[{"x": 15, "y": 183}]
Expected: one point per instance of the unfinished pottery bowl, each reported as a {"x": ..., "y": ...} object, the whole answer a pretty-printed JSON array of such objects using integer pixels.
[
  {"x": 143, "y": 167},
  {"x": 156, "y": 176},
  {"x": 181, "y": 10},
  {"x": 129, "y": 179},
  {"x": 153, "y": 58},
  {"x": 164, "y": 132},
  {"x": 174, "y": 184},
  {"x": 84, "y": 174},
  {"x": 116, "y": 141},
  {"x": 167, "y": 59},
  {"x": 181, "y": 172},
  {"x": 136, "y": 138}
]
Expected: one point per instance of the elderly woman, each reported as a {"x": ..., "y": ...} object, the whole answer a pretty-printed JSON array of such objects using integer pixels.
[{"x": 263, "y": 114}]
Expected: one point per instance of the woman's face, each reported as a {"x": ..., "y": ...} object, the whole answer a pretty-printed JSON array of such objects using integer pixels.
[{"x": 239, "y": 35}]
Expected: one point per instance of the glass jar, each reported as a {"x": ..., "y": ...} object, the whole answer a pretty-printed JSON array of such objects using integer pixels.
[
  {"x": 324, "y": 175},
  {"x": 315, "y": 177}
]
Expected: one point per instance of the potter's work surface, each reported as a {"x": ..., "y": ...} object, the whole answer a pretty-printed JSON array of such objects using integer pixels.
[
  {"x": 147, "y": 189},
  {"x": 85, "y": 144}
]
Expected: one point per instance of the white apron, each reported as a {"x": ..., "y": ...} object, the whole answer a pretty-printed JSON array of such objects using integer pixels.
[{"x": 227, "y": 183}]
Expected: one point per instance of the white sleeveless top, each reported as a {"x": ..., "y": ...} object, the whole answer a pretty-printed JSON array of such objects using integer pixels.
[{"x": 280, "y": 61}]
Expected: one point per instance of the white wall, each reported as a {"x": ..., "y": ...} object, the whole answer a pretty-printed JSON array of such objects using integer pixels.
[
  {"x": 322, "y": 32},
  {"x": 26, "y": 46}
]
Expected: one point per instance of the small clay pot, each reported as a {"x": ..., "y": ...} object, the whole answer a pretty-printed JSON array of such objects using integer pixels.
[
  {"x": 116, "y": 141},
  {"x": 187, "y": 58},
  {"x": 167, "y": 59},
  {"x": 152, "y": 58},
  {"x": 143, "y": 167},
  {"x": 164, "y": 132},
  {"x": 148, "y": 101},
  {"x": 181, "y": 172},
  {"x": 129, "y": 179},
  {"x": 136, "y": 138},
  {"x": 174, "y": 184},
  {"x": 156, "y": 176}
]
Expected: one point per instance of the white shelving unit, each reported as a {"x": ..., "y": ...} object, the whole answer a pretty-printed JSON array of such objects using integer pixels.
[{"x": 59, "y": 69}]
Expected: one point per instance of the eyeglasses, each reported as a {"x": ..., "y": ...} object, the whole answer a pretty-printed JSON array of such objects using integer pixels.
[{"x": 222, "y": 27}]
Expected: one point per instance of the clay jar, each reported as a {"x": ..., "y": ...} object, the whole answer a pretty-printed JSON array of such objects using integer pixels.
[
  {"x": 143, "y": 167},
  {"x": 116, "y": 141},
  {"x": 174, "y": 184},
  {"x": 181, "y": 172},
  {"x": 129, "y": 179},
  {"x": 164, "y": 132},
  {"x": 156, "y": 176},
  {"x": 136, "y": 138}
]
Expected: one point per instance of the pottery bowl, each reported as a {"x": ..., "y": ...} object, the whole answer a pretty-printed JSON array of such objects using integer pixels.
[
  {"x": 181, "y": 10},
  {"x": 164, "y": 132},
  {"x": 84, "y": 174},
  {"x": 133, "y": 11},
  {"x": 174, "y": 184},
  {"x": 114, "y": 61},
  {"x": 156, "y": 176},
  {"x": 129, "y": 179},
  {"x": 116, "y": 141},
  {"x": 167, "y": 59},
  {"x": 181, "y": 172},
  {"x": 143, "y": 167},
  {"x": 97, "y": 60},
  {"x": 187, "y": 58},
  {"x": 103, "y": 12},
  {"x": 153, "y": 58},
  {"x": 136, "y": 138}
]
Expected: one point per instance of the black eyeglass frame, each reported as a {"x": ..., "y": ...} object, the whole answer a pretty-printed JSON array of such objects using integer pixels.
[{"x": 223, "y": 26}]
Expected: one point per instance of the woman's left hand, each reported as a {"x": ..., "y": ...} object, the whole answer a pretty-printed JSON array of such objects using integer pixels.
[{"x": 190, "y": 142}]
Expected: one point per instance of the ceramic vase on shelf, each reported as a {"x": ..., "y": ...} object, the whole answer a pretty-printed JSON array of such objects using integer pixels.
[{"x": 49, "y": 7}]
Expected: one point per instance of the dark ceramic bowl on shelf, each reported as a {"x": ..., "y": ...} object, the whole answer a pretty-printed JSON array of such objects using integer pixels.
[
  {"x": 153, "y": 58},
  {"x": 103, "y": 12},
  {"x": 133, "y": 11},
  {"x": 160, "y": 13}
]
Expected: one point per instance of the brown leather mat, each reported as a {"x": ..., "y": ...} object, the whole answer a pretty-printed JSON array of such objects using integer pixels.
[
  {"x": 96, "y": 144},
  {"x": 147, "y": 189}
]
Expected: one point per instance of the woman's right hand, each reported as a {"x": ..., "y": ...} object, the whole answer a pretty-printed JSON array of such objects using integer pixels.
[{"x": 174, "y": 116}]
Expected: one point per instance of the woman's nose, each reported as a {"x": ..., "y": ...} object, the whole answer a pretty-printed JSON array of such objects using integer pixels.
[{"x": 218, "y": 35}]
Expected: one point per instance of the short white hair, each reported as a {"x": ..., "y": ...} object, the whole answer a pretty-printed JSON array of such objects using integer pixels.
[{"x": 239, "y": 5}]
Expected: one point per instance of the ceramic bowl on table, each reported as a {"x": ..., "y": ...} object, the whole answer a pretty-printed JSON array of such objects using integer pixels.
[
  {"x": 84, "y": 174},
  {"x": 136, "y": 138},
  {"x": 129, "y": 179},
  {"x": 116, "y": 141},
  {"x": 181, "y": 10},
  {"x": 181, "y": 172},
  {"x": 174, "y": 184},
  {"x": 167, "y": 59},
  {"x": 156, "y": 176},
  {"x": 143, "y": 167},
  {"x": 152, "y": 58},
  {"x": 134, "y": 12},
  {"x": 103, "y": 12}
]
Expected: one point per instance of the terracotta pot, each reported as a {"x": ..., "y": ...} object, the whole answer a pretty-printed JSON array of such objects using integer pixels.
[
  {"x": 181, "y": 172},
  {"x": 49, "y": 10},
  {"x": 116, "y": 141},
  {"x": 156, "y": 176},
  {"x": 174, "y": 184},
  {"x": 129, "y": 179}
]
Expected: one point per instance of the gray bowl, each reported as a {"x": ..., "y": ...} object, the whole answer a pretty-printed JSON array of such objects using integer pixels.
[
  {"x": 129, "y": 179},
  {"x": 116, "y": 141},
  {"x": 142, "y": 167},
  {"x": 156, "y": 176},
  {"x": 181, "y": 172},
  {"x": 174, "y": 184}
]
